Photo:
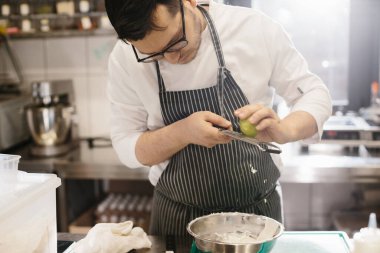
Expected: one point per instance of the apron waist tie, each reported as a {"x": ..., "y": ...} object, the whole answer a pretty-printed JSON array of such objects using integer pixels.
[{"x": 221, "y": 209}]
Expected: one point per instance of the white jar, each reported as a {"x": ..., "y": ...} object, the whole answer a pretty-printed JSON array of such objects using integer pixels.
[
  {"x": 367, "y": 240},
  {"x": 24, "y": 9},
  {"x": 84, "y": 6},
  {"x": 5, "y": 10}
]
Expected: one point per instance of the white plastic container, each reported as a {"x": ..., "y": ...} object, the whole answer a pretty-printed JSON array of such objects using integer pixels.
[
  {"x": 9, "y": 162},
  {"x": 8, "y": 172},
  {"x": 27, "y": 209},
  {"x": 368, "y": 239}
]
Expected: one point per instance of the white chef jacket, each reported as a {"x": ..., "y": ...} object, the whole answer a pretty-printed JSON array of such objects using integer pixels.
[{"x": 257, "y": 51}]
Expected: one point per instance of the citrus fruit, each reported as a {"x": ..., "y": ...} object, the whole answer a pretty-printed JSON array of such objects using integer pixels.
[{"x": 247, "y": 128}]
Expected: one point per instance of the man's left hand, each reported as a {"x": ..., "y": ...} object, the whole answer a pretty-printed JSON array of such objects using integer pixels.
[{"x": 269, "y": 126}]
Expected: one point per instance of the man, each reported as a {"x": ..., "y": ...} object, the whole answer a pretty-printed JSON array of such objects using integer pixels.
[{"x": 179, "y": 73}]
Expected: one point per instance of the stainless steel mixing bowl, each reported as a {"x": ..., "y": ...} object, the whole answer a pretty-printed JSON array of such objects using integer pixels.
[
  {"x": 249, "y": 233},
  {"x": 49, "y": 125}
]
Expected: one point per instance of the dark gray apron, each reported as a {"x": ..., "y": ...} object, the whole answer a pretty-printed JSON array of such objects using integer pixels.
[{"x": 229, "y": 177}]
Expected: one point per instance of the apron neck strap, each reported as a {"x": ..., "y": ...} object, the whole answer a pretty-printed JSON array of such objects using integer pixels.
[
  {"x": 214, "y": 37},
  {"x": 161, "y": 83},
  {"x": 219, "y": 53}
]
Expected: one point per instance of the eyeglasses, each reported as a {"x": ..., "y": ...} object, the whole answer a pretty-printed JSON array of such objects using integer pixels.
[{"x": 173, "y": 47}]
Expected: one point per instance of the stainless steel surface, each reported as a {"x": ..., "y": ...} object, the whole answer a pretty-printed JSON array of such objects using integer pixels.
[
  {"x": 4, "y": 40},
  {"x": 327, "y": 163},
  {"x": 53, "y": 150},
  {"x": 263, "y": 146},
  {"x": 321, "y": 164},
  {"x": 13, "y": 126},
  {"x": 51, "y": 117},
  {"x": 80, "y": 163},
  {"x": 351, "y": 131},
  {"x": 53, "y": 91},
  {"x": 64, "y": 33},
  {"x": 208, "y": 232},
  {"x": 289, "y": 242},
  {"x": 49, "y": 125},
  {"x": 182, "y": 244}
]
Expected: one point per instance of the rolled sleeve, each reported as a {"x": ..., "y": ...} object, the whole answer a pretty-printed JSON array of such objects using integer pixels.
[
  {"x": 125, "y": 149},
  {"x": 318, "y": 104},
  {"x": 128, "y": 115}
]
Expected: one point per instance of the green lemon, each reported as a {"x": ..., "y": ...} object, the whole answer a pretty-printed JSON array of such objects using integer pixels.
[{"x": 247, "y": 128}]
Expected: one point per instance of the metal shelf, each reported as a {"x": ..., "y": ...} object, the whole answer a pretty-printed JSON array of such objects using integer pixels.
[
  {"x": 58, "y": 16},
  {"x": 62, "y": 33}
]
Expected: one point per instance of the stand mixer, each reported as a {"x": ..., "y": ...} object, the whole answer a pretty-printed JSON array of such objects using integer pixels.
[{"x": 50, "y": 118}]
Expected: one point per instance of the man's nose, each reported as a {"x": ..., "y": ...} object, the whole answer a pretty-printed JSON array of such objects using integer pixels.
[{"x": 172, "y": 57}]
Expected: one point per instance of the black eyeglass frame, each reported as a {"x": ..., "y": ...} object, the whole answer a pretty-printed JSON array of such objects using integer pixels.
[{"x": 167, "y": 49}]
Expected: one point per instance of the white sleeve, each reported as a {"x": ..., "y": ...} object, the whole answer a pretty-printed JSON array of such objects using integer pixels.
[
  {"x": 292, "y": 80},
  {"x": 128, "y": 115}
]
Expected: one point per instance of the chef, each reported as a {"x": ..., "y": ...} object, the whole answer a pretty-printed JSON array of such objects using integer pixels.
[{"x": 179, "y": 72}]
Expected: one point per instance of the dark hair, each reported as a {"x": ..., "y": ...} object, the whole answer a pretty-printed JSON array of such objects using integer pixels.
[{"x": 133, "y": 19}]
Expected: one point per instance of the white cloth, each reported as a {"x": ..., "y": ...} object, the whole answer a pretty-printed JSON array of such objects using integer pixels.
[
  {"x": 113, "y": 238},
  {"x": 257, "y": 51}
]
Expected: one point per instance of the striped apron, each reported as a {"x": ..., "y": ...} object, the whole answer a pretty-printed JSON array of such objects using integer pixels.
[{"x": 197, "y": 181}]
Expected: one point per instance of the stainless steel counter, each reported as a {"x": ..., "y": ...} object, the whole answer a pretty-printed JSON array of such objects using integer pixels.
[
  {"x": 159, "y": 244},
  {"x": 326, "y": 163},
  {"x": 321, "y": 164},
  {"x": 81, "y": 163},
  {"x": 303, "y": 241}
]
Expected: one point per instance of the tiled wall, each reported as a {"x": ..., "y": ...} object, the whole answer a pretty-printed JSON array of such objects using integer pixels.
[{"x": 82, "y": 59}]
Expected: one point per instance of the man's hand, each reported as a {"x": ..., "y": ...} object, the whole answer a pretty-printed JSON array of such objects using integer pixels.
[
  {"x": 297, "y": 125},
  {"x": 201, "y": 128}
]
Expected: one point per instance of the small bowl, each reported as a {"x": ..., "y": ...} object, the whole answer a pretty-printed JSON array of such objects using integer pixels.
[{"x": 235, "y": 232}]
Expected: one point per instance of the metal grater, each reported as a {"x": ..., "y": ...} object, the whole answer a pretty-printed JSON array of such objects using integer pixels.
[{"x": 263, "y": 146}]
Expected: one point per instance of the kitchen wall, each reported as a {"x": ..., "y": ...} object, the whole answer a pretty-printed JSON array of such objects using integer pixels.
[{"x": 82, "y": 59}]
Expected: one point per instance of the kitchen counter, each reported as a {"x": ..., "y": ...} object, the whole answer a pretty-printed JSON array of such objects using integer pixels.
[
  {"x": 158, "y": 243},
  {"x": 328, "y": 163},
  {"x": 83, "y": 162},
  {"x": 322, "y": 163},
  {"x": 295, "y": 242}
]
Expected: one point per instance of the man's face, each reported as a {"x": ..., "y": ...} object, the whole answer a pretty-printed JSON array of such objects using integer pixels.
[{"x": 156, "y": 41}]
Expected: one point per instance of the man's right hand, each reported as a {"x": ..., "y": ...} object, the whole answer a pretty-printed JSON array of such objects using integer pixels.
[{"x": 201, "y": 128}]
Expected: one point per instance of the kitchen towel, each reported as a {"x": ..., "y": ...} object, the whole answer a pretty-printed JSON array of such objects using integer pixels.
[{"x": 113, "y": 237}]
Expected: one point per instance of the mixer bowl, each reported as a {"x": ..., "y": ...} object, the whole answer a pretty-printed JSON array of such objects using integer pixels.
[
  {"x": 49, "y": 125},
  {"x": 235, "y": 233}
]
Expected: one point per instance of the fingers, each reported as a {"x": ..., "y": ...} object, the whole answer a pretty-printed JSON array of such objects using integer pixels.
[
  {"x": 217, "y": 120},
  {"x": 245, "y": 111},
  {"x": 261, "y": 114},
  {"x": 256, "y": 113},
  {"x": 265, "y": 124},
  {"x": 202, "y": 128}
]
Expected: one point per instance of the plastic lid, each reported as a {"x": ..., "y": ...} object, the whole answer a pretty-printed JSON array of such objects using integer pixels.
[
  {"x": 372, "y": 222},
  {"x": 9, "y": 162},
  {"x": 18, "y": 188},
  {"x": 8, "y": 172},
  {"x": 26, "y": 188},
  {"x": 370, "y": 233}
]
